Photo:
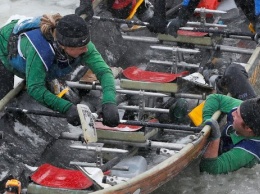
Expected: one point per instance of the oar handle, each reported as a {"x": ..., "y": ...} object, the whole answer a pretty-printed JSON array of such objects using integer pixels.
[
  {"x": 161, "y": 125},
  {"x": 35, "y": 112},
  {"x": 116, "y": 20}
]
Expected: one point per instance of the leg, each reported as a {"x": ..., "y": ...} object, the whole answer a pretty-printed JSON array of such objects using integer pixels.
[
  {"x": 6, "y": 80},
  {"x": 235, "y": 80},
  {"x": 248, "y": 8}
]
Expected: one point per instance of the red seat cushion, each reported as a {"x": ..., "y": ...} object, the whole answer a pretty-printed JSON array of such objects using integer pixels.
[{"x": 51, "y": 176}]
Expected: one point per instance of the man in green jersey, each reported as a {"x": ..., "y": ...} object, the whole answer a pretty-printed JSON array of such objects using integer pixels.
[
  {"x": 51, "y": 46},
  {"x": 239, "y": 144}
]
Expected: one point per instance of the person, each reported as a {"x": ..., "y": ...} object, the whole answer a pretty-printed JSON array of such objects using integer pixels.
[
  {"x": 239, "y": 144},
  {"x": 251, "y": 8},
  {"x": 233, "y": 80},
  {"x": 121, "y": 9},
  {"x": 51, "y": 46}
]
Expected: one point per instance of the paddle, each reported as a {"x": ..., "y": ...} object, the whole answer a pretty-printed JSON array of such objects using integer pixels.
[
  {"x": 85, "y": 115},
  {"x": 88, "y": 125}
]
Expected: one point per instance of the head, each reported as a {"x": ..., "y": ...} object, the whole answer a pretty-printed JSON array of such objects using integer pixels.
[
  {"x": 73, "y": 35},
  {"x": 247, "y": 118}
]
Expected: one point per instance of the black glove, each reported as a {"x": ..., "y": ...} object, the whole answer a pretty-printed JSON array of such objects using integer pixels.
[
  {"x": 257, "y": 30},
  {"x": 110, "y": 115},
  {"x": 173, "y": 26},
  {"x": 158, "y": 22},
  {"x": 73, "y": 116},
  {"x": 215, "y": 130},
  {"x": 85, "y": 9},
  {"x": 157, "y": 25}
]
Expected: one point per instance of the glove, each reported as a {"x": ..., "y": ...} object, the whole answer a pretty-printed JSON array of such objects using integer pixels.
[
  {"x": 110, "y": 115},
  {"x": 257, "y": 29},
  {"x": 215, "y": 130},
  {"x": 85, "y": 8},
  {"x": 158, "y": 22},
  {"x": 173, "y": 26},
  {"x": 157, "y": 25},
  {"x": 73, "y": 116}
]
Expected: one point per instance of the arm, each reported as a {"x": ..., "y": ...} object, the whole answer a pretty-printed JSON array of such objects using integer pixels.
[
  {"x": 35, "y": 80},
  {"x": 104, "y": 74},
  {"x": 85, "y": 9},
  {"x": 185, "y": 12},
  {"x": 219, "y": 102},
  {"x": 227, "y": 162}
]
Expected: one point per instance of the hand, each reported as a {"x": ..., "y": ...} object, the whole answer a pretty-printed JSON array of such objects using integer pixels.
[
  {"x": 257, "y": 30},
  {"x": 157, "y": 25},
  {"x": 110, "y": 115},
  {"x": 158, "y": 22},
  {"x": 256, "y": 38},
  {"x": 215, "y": 130},
  {"x": 73, "y": 116},
  {"x": 85, "y": 9},
  {"x": 173, "y": 26}
]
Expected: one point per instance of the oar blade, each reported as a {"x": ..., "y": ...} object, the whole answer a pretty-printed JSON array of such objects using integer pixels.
[{"x": 87, "y": 123}]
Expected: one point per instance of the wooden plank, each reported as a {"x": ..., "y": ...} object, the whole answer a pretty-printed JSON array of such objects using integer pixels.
[
  {"x": 139, "y": 136},
  {"x": 186, "y": 39},
  {"x": 158, "y": 87}
]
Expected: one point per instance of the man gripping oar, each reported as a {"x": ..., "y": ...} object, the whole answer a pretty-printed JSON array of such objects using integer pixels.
[
  {"x": 49, "y": 47},
  {"x": 121, "y": 9},
  {"x": 251, "y": 9}
]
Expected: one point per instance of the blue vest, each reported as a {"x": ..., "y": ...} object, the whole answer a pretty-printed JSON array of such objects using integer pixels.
[
  {"x": 251, "y": 146},
  {"x": 44, "y": 49}
]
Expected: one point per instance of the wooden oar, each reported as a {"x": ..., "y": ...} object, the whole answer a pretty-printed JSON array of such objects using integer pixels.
[{"x": 85, "y": 115}]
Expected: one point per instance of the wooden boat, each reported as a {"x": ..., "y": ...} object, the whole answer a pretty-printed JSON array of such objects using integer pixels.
[
  {"x": 179, "y": 155},
  {"x": 176, "y": 157}
]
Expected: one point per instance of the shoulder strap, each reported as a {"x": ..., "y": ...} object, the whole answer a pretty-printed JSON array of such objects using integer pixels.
[
  {"x": 251, "y": 146},
  {"x": 42, "y": 47}
]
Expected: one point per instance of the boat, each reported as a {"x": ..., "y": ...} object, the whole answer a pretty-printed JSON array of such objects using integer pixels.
[{"x": 117, "y": 149}]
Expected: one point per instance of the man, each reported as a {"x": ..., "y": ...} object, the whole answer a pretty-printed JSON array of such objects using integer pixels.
[
  {"x": 239, "y": 144},
  {"x": 122, "y": 9},
  {"x": 251, "y": 9},
  {"x": 50, "y": 47}
]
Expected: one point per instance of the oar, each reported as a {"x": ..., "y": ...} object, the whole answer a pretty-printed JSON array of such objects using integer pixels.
[
  {"x": 87, "y": 122},
  {"x": 161, "y": 125},
  {"x": 134, "y": 22},
  {"x": 226, "y": 34},
  {"x": 85, "y": 115}
]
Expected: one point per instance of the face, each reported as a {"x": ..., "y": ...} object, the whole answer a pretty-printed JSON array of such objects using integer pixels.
[
  {"x": 75, "y": 51},
  {"x": 239, "y": 125}
]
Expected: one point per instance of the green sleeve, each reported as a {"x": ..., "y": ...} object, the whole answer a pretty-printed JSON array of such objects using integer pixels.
[
  {"x": 36, "y": 80},
  {"x": 95, "y": 62},
  {"x": 220, "y": 102},
  {"x": 227, "y": 162},
  {"x": 5, "y": 33}
]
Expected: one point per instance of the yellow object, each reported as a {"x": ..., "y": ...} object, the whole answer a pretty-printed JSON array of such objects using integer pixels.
[
  {"x": 251, "y": 28},
  {"x": 63, "y": 92},
  {"x": 133, "y": 11},
  {"x": 196, "y": 114},
  {"x": 13, "y": 186}
]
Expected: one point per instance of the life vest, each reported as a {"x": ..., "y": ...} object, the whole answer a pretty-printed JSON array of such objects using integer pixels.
[
  {"x": 55, "y": 68},
  {"x": 121, "y": 4},
  {"x": 129, "y": 6},
  {"x": 209, "y": 4},
  {"x": 251, "y": 146}
]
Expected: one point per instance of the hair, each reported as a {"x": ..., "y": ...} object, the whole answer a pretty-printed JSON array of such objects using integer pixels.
[{"x": 48, "y": 25}]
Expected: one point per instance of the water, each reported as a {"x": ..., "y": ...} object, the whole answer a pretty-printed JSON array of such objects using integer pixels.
[{"x": 190, "y": 180}]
